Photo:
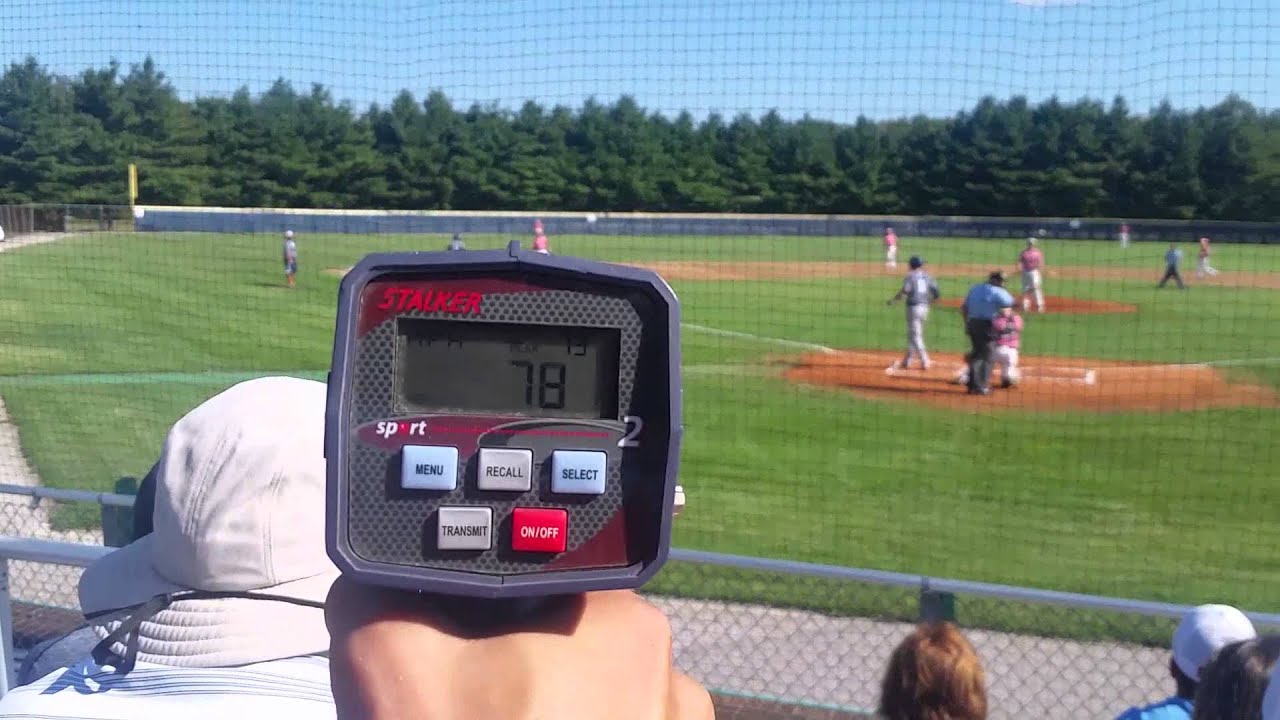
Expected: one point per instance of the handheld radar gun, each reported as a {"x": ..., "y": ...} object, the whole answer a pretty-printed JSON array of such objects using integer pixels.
[{"x": 502, "y": 425}]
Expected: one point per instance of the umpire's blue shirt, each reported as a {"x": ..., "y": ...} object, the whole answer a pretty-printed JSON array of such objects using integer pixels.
[{"x": 984, "y": 301}]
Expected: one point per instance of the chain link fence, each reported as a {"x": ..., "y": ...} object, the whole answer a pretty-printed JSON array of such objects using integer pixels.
[{"x": 768, "y": 643}]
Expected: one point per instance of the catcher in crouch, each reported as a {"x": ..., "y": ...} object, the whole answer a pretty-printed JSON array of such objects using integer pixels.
[{"x": 1007, "y": 329}]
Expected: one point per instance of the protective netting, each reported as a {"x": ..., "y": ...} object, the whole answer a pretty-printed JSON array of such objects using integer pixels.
[{"x": 780, "y": 164}]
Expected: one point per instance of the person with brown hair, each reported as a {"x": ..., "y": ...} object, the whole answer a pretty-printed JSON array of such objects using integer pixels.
[
  {"x": 1232, "y": 685},
  {"x": 934, "y": 674}
]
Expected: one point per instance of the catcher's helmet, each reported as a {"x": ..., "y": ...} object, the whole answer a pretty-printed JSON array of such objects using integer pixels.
[{"x": 915, "y": 262}]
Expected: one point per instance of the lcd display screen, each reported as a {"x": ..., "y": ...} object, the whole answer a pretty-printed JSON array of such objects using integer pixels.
[{"x": 481, "y": 367}]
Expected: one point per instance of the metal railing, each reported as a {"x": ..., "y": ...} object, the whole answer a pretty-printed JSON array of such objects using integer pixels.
[{"x": 764, "y": 631}]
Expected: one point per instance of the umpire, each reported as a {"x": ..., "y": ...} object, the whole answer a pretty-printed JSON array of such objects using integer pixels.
[{"x": 981, "y": 305}]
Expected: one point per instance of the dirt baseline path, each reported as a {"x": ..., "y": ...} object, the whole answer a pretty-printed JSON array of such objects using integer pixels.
[
  {"x": 1056, "y": 305},
  {"x": 801, "y": 270},
  {"x": 1048, "y": 384}
]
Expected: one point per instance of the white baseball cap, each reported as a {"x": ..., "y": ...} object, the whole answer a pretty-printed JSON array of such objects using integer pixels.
[
  {"x": 1204, "y": 631},
  {"x": 239, "y": 508},
  {"x": 1271, "y": 700}
]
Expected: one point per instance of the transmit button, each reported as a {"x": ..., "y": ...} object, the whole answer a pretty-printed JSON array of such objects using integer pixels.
[
  {"x": 464, "y": 528},
  {"x": 578, "y": 472},
  {"x": 429, "y": 467},
  {"x": 505, "y": 469},
  {"x": 539, "y": 530}
]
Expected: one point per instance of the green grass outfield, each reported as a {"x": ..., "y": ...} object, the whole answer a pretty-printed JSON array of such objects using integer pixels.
[{"x": 107, "y": 339}]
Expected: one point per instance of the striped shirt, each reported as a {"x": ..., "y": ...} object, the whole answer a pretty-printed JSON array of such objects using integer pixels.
[
  {"x": 290, "y": 688},
  {"x": 919, "y": 288}
]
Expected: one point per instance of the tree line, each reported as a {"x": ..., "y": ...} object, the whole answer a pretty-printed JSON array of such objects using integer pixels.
[{"x": 69, "y": 139}]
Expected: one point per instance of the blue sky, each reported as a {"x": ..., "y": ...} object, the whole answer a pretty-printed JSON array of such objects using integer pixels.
[{"x": 831, "y": 59}]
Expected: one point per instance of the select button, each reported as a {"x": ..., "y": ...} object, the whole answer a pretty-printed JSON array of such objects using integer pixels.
[{"x": 578, "y": 472}]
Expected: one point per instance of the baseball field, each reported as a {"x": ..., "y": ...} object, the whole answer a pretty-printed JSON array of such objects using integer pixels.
[{"x": 1134, "y": 460}]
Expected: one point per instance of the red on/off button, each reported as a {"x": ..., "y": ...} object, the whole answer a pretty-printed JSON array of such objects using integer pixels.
[{"x": 539, "y": 530}]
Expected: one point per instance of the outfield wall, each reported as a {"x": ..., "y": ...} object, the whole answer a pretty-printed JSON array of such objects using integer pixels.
[{"x": 367, "y": 222}]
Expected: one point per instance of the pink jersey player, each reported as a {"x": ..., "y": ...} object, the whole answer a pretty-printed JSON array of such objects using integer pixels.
[
  {"x": 1030, "y": 264},
  {"x": 890, "y": 248},
  {"x": 1204, "y": 268},
  {"x": 1124, "y": 235},
  {"x": 1008, "y": 331},
  {"x": 540, "y": 243}
]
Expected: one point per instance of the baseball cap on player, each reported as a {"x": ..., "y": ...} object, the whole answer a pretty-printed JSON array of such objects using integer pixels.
[
  {"x": 996, "y": 278},
  {"x": 915, "y": 261},
  {"x": 1031, "y": 241},
  {"x": 288, "y": 234},
  {"x": 1204, "y": 631}
]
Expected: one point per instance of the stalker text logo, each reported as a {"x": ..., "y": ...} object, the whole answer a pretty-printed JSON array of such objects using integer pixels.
[{"x": 402, "y": 299}]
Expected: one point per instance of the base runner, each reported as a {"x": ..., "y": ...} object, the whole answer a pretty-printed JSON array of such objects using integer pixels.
[{"x": 920, "y": 290}]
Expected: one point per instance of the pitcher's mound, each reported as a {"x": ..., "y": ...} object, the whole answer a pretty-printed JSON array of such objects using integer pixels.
[
  {"x": 1047, "y": 384},
  {"x": 1064, "y": 306}
]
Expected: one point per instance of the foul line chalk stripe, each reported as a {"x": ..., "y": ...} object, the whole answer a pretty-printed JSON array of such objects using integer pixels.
[{"x": 759, "y": 338}]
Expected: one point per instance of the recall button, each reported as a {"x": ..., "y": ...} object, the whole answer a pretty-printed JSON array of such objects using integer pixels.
[
  {"x": 505, "y": 469},
  {"x": 464, "y": 528},
  {"x": 579, "y": 472},
  {"x": 539, "y": 529},
  {"x": 429, "y": 467}
]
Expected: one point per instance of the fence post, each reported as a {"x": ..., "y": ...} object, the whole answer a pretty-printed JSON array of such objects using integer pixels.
[
  {"x": 117, "y": 522},
  {"x": 936, "y": 605},
  {"x": 8, "y": 666}
]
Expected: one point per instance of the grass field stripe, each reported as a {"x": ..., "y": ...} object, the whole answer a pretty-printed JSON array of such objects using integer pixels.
[
  {"x": 149, "y": 378},
  {"x": 758, "y": 338},
  {"x": 1242, "y": 362},
  {"x": 230, "y": 377}
]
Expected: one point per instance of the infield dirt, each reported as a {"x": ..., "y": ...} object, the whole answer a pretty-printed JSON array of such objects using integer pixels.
[{"x": 1048, "y": 384}]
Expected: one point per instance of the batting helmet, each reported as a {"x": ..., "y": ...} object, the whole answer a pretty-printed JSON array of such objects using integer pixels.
[{"x": 915, "y": 262}]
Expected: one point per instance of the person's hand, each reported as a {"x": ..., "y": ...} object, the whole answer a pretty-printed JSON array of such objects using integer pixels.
[{"x": 599, "y": 655}]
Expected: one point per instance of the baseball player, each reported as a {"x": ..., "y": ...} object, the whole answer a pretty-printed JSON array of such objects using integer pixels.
[
  {"x": 890, "y": 248},
  {"x": 982, "y": 305},
  {"x": 920, "y": 290},
  {"x": 1031, "y": 262},
  {"x": 1124, "y": 235},
  {"x": 1204, "y": 268},
  {"x": 1172, "y": 259},
  {"x": 540, "y": 239},
  {"x": 290, "y": 257},
  {"x": 1007, "y": 329},
  {"x": 456, "y": 243}
]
